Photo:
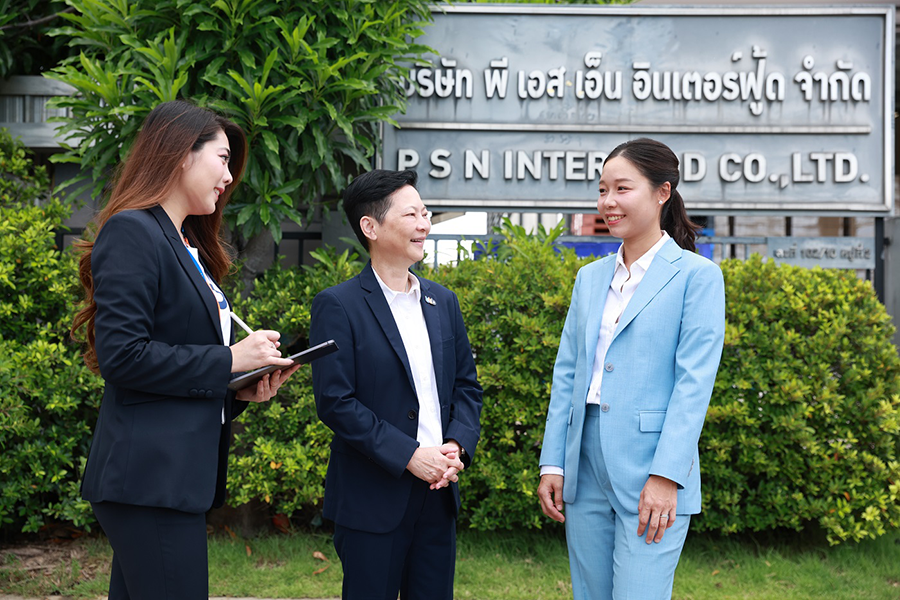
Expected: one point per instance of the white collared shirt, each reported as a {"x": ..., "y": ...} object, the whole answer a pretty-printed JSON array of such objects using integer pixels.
[
  {"x": 221, "y": 302},
  {"x": 406, "y": 307},
  {"x": 621, "y": 290}
]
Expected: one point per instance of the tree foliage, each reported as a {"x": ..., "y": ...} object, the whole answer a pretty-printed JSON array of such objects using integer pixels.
[
  {"x": 309, "y": 82},
  {"x": 25, "y": 46},
  {"x": 549, "y": 1}
]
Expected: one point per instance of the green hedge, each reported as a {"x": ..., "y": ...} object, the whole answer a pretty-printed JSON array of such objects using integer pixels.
[
  {"x": 280, "y": 450},
  {"x": 803, "y": 428},
  {"x": 514, "y": 308},
  {"x": 804, "y": 424},
  {"x": 49, "y": 399}
]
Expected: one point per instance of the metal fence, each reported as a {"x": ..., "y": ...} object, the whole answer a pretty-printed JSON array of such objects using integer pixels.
[
  {"x": 459, "y": 246},
  {"x": 715, "y": 248}
]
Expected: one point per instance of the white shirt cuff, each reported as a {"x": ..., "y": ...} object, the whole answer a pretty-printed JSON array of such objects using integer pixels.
[{"x": 551, "y": 470}]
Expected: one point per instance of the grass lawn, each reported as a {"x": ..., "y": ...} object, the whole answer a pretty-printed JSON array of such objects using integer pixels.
[{"x": 529, "y": 565}]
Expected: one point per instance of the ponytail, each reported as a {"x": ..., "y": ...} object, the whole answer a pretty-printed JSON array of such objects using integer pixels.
[{"x": 675, "y": 221}]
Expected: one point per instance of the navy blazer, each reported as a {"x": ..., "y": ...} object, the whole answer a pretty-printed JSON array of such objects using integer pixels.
[
  {"x": 365, "y": 393},
  {"x": 159, "y": 439}
]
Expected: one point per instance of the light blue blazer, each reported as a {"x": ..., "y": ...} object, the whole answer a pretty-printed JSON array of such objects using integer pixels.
[{"x": 657, "y": 380}]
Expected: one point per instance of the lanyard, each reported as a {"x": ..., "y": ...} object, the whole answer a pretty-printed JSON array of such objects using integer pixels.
[
  {"x": 197, "y": 264},
  {"x": 191, "y": 254},
  {"x": 221, "y": 302}
]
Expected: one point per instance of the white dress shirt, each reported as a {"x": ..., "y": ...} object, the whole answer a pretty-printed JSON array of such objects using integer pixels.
[
  {"x": 221, "y": 302},
  {"x": 621, "y": 289},
  {"x": 406, "y": 307}
]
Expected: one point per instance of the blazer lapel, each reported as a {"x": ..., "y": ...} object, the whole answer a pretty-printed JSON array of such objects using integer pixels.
[
  {"x": 661, "y": 271},
  {"x": 187, "y": 263},
  {"x": 597, "y": 289},
  {"x": 379, "y": 307},
  {"x": 433, "y": 325}
]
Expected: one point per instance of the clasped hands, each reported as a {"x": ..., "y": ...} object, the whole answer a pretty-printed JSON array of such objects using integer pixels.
[{"x": 437, "y": 465}]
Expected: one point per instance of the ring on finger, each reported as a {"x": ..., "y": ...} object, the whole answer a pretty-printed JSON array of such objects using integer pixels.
[{"x": 663, "y": 516}]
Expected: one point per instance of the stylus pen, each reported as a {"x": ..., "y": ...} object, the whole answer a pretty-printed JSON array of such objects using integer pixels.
[{"x": 238, "y": 320}]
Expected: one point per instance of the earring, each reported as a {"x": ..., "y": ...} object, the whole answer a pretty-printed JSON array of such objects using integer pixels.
[{"x": 661, "y": 201}]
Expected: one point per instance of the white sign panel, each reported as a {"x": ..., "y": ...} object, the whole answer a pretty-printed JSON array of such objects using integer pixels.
[
  {"x": 773, "y": 110},
  {"x": 825, "y": 252}
]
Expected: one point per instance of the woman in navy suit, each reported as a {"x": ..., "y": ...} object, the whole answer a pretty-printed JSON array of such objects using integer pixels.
[
  {"x": 158, "y": 330},
  {"x": 633, "y": 377}
]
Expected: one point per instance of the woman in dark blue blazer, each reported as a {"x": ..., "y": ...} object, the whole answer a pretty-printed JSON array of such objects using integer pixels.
[{"x": 158, "y": 330}]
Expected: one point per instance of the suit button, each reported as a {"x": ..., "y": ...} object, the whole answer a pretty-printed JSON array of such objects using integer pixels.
[
  {"x": 604, "y": 407},
  {"x": 608, "y": 367},
  {"x": 209, "y": 393},
  {"x": 411, "y": 414},
  {"x": 192, "y": 393}
]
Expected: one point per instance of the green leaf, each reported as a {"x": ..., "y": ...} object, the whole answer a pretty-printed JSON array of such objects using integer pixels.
[
  {"x": 271, "y": 141},
  {"x": 296, "y": 121},
  {"x": 245, "y": 213}
]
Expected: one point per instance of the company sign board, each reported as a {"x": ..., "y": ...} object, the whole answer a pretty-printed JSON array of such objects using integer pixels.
[{"x": 770, "y": 110}]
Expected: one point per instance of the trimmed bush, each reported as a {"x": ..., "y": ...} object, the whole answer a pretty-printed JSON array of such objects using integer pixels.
[
  {"x": 803, "y": 427},
  {"x": 36, "y": 281},
  {"x": 49, "y": 398},
  {"x": 280, "y": 451},
  {"x": 514, "y": 305},
  {"x": 804, "y": 424},
  {"x": 47, "y": 411}
]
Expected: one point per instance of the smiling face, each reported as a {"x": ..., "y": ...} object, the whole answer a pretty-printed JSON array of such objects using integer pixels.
[
  {"x": 400, "y": 237},
  {"x": 629, "y": 203},
  {"x": 205, "y": 175}
]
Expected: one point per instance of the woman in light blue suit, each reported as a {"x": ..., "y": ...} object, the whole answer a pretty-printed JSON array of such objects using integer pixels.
[{"x": 632, "y": 381}]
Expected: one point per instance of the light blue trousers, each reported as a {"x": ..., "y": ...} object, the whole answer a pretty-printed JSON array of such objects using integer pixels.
[{"x": 607, "y": 558}]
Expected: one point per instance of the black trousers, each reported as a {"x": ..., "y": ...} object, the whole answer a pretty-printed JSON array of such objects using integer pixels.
[
  {"x": 416, "y": 560},
  {"x": 158, "y": 553}
]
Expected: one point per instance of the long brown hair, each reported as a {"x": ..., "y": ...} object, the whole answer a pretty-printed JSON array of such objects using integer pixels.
[
  {"x": 658, "y": 163},
  {"x": 148, "y": 175}
]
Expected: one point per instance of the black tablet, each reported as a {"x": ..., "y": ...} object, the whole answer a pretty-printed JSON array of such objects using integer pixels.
[{"x": 308, "y": 355}]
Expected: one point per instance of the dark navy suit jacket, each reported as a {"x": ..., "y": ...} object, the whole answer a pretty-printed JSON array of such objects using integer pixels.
[
  {"x": 159, "y": 439},
  {"x": 366, "y": 395}
]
